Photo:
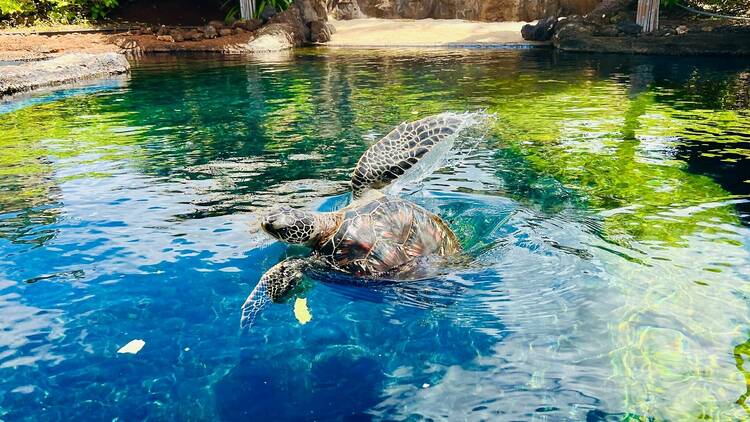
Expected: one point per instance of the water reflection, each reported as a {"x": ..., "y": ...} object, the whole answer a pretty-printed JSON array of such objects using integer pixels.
[{"x": 606, "y": 215}]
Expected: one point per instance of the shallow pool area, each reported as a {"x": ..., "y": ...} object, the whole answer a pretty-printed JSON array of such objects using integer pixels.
[{"x": 606, "y": 211}]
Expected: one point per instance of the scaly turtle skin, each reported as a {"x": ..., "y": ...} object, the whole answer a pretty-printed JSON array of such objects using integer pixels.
[
  {"x": 375, "y": 236},
  {"x": 401, "y": 149}
]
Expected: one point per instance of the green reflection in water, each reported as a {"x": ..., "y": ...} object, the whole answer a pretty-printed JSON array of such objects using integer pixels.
[{"x": 617, "y": 140}]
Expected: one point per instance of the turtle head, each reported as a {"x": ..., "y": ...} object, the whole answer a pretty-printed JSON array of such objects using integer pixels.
[{"x": 297, "y": 226}]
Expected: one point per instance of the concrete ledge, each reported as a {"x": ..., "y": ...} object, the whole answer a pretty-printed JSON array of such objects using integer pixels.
[{"x": 64, "y": 69}]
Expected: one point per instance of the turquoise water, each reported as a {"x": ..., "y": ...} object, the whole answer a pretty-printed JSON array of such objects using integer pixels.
[{"x": 606, "y": 211}]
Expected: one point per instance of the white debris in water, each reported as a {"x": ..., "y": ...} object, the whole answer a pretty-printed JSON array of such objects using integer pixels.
[
  {"x": 306, "y": 157},
  {"x": 187, "y": 349},
  {"x": 24, "y": 389},
  {"x": 425, "y": 385},
  {"x": 133, "y": 347}
]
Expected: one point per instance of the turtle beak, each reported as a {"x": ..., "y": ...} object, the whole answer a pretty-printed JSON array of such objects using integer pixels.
[
  {"x": 273, "y": 221},
  {"x": 267, "y": 226}
]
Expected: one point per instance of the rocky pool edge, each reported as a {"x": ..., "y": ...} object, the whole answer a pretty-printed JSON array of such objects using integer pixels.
[{"x": 68, "y": 68}]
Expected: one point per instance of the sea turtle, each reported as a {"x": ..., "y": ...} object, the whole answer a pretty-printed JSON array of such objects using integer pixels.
[{"x": 377, "y": 235}]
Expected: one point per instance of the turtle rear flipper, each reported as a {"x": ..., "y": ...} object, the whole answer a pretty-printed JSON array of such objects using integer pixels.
[{"x": 410, "y": 150}]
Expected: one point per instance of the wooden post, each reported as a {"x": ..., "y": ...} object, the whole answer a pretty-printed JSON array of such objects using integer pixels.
[{"x": 647, "y": 15}]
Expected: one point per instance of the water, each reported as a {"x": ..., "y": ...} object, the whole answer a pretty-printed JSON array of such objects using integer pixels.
[{"x": 606, "y": 213}]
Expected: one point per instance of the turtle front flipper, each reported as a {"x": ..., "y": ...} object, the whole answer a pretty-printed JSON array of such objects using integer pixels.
[
  {"x": 405, "y": 146},
  {"x": 276, "y": 283}
]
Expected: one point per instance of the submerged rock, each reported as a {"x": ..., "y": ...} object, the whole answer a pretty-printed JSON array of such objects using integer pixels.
[{"x": 64, "y": 69}]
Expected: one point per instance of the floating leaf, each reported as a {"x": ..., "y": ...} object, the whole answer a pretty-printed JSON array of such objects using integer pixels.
[
  {"x": 133, "y": 347},
  {"x": 301, "y": 312}
]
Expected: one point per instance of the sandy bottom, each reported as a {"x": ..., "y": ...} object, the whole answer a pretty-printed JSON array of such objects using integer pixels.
[{"x": 424, "y": 32}]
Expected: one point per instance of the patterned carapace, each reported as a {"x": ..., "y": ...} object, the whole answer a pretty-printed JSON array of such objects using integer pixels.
[{"x": 382, "y": 236}]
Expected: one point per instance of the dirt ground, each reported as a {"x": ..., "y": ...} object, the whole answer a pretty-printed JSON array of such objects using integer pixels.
[
  {"x": 33, "y": 47},
  {"x": 149, "y": 44}
]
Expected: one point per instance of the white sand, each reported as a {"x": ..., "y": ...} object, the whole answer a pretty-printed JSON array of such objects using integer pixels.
[{"x": 373, "y": 32}]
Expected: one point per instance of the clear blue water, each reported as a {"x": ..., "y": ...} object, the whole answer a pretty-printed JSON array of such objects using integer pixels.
[{"x": 606, "y": 211}]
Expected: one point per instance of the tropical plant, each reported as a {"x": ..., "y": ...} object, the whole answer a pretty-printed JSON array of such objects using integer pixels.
[
  {"x": 99, "y": 8},
  {"x": 231, "y": 12},
  {"x": 64, "y": 11},
  {"x": 258, "y": 7},
  {"x": 277, "y": 5}
]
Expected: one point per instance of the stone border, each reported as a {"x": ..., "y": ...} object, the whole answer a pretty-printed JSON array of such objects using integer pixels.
[
  {"x": 592, "y": 37},
  {"x": 303, "y": 22},
  {"x": 60, "y": 70}
]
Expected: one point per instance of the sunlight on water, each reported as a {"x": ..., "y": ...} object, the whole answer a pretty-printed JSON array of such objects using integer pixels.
[{"x": 604, "y": 213}]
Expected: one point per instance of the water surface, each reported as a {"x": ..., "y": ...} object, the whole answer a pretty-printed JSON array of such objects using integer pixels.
[{"x": 606, "y": 210}]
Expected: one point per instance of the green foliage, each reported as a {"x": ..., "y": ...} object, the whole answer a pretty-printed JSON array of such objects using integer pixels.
[
  {"x": 278, "y": 5},
  {"x": 100, "y": 8},
  {"x": 63, "y": 11},
  {"x": 233, "y": 8},
  {"x": 729, "y": 7},
  {"x": 12, "y": 7},
  {"x": 232, "y": 12}
]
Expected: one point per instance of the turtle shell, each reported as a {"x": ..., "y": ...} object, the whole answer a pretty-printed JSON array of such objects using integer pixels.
[{"x": 384, "y": 235}]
